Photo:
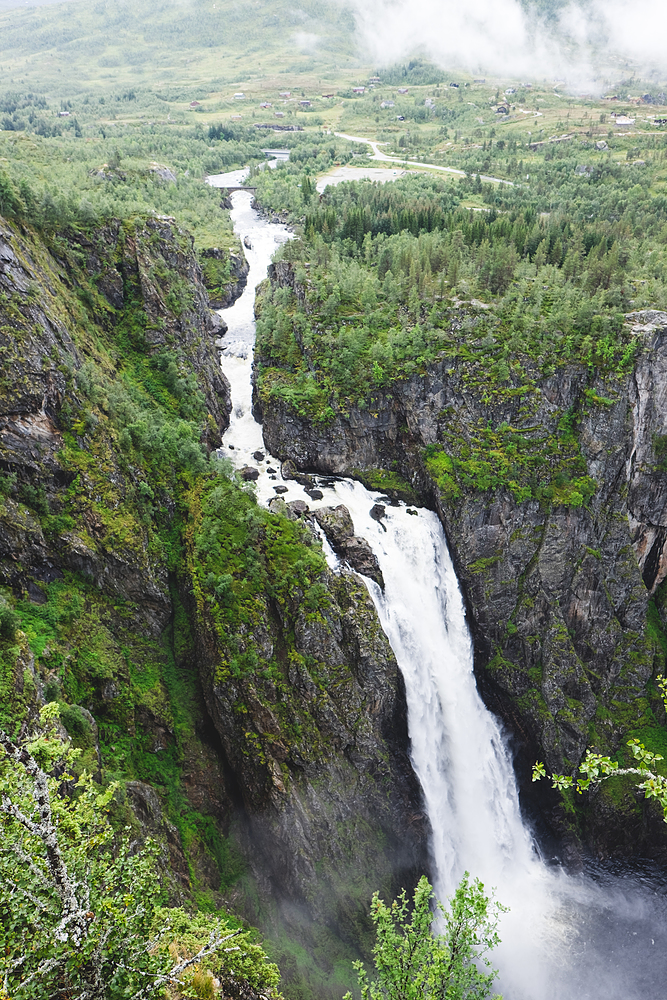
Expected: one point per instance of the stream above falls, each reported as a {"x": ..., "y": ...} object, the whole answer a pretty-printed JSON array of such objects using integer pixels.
[{"x": 600, "y": 935}]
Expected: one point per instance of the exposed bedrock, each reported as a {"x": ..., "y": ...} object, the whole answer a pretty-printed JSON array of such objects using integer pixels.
[
  {"x": 329, "y": 806},
  {"x": 557, "y": 595}
]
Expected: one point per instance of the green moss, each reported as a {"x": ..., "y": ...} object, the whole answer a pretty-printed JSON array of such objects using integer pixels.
[
  {"x": 244, "y": 554},
  {"x": 483, "y": 458},
  {"x": 660, "y": 451},
  {"x": 481, "y": 565},
  {"x": 440, "y": 465},
  {"x": 16, "y": 683},
  {"x": 385, "y": 481},
  {"x": 620, "y": 792}
]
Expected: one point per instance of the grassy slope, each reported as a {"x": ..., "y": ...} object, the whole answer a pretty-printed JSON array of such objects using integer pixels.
[{"x": 205, "y": 44}]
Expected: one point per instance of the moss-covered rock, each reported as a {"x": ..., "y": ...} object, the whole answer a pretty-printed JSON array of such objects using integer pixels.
[{"x": 552, "y": 494}]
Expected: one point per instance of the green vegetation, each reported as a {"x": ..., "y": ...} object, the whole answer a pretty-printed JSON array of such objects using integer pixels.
[
  {"x": 184, "y": 53},
  {"x": 111, "y": 118},
  {"x": 80, "y": 906},
  {"x": 387, "y": 279},
  {"x": 60, "y": 181},
  {"x": 386, "y": 481},
  {"x": 414, "y": 962},
  {"x": 646, "y": 770},
  {"x": 243, "y": 557}
]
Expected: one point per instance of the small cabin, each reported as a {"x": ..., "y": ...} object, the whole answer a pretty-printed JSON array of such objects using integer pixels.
[
  {"x": 387, "y": 104},
  {"x": 265, "y": 104},
  {"x": 239, "y": 97},
  {"x": 304, "y": 104},
  {"x": 279, "y": 114},
  {"x": 374, "y": 79},
  {"x": 358, "y": 90},
  {"x": 402, "y": 90},
  {"x": 285, "y": 93}
]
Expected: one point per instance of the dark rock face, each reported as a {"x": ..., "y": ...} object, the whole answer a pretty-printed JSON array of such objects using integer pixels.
[
  {"x": 45, "y": 354},
  {"x": 332, "y": 809},
  {"x": 336, "y": 524},
  {"x": 557, "y": 595}
]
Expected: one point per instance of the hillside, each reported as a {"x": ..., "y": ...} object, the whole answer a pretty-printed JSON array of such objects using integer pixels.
[{"x": 184, "y": 49}]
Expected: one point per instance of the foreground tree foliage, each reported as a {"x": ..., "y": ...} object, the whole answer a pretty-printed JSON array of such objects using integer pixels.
[
  {"x": 80, "y": 913},
  {"x": 414, "y": 961}
]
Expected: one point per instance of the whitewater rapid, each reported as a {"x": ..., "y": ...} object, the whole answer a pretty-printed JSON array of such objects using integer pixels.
[{"x": 598, "y": 936}]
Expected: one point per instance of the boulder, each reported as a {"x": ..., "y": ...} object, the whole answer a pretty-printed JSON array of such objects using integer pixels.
[{"x": 336, "y": 524}]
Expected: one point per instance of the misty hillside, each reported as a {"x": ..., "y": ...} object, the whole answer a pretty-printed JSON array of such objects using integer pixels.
[{"x": 77, "y": 45}]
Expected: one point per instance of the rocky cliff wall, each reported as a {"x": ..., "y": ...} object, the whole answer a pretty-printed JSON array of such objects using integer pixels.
[
  {"x": 139, "y": 289},
  {"x": 563, "y": 593},
  {"x": 308, "y": 702},
  {"x": 99, "y": 333},
  {"x": 267, "y": 749}
]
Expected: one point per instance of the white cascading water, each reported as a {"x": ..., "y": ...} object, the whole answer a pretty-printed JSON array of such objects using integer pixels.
[{"x": 599, "y": 937}]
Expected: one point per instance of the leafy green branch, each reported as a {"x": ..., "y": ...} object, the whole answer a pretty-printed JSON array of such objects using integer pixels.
[{"x": 596, "y": 768}]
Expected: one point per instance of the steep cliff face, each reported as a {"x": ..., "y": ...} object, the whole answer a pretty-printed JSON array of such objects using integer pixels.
[
  {"x": 106, "y": 338},
  {"x": 78, "y": 316},
  {"x": 202, "y": 653},
  {"x": 558, "y": 589},
  {"x": 308, "y": 702}
]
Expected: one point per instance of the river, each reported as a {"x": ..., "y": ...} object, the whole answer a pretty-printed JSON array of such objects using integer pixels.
[{"x": 600, "y": 935}]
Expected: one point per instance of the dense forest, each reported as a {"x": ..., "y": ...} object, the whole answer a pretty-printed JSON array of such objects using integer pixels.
[{"x": 392, "y": 277}]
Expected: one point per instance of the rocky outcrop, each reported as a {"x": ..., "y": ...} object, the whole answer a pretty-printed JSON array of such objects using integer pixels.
[
  {"x": 331, "y": 807},
  {"x": 557, "y": 593},
  {"x": 336, "y": 524},
  {"x": 223, "y": 296}
]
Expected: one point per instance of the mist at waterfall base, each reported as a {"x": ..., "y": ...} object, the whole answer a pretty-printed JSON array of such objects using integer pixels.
[{"x": 597, "y": 936}]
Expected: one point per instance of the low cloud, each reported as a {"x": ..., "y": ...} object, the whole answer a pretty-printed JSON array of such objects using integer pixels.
[
  {"x": 306, "y": 41},
  {"x": 587, "y": 42}
]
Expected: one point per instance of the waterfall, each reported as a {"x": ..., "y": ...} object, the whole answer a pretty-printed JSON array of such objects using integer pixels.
[
  {"x": 564, "y": 937},
  {"x": 457, "y": 748},
  {"x": 599, "y": 936}
]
